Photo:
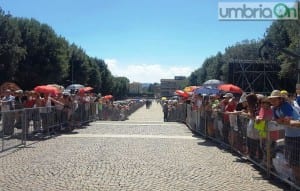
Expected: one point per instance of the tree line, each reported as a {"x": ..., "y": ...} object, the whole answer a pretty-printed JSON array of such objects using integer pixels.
[
  {"x": 284, "y": 36},
  {"x": 31, "y": 54}
]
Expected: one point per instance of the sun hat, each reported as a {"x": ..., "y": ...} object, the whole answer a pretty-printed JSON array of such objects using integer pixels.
[{"x": 275, "y": 94}]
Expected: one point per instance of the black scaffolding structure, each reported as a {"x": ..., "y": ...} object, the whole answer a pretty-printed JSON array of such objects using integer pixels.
[{"x": 259, "y": 76}]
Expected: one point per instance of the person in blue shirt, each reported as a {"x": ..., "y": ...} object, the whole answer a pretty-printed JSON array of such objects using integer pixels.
[{"x": 284, "y": 114}]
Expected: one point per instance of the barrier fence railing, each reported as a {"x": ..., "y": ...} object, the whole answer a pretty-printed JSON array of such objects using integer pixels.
[
  {"x": 269, "y": 149},
  {"x": 19, "y": 126}
]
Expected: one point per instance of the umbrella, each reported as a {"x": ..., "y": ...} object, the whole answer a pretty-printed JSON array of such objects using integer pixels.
[
  {"x": 206, "y": 90},
  {"x": 182, "y": 93},
  {"x": 9, "y": 85},
  {"x": 230, "y": 88},
  {"x": 108, "y": 97},
  {"x": 46, "y": 89},
  {"x": 189, "y": 88},
  {"x": 60, "y": 88},
  {"x": 163, "y": 98},
  {"x": 213, "y": 83},
  {"x": 74, "y": 87},
  {"x": 85, "y": 89}
]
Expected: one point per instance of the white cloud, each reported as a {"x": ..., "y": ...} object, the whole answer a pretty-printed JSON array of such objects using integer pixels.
[{"x": 146, "y": 73}]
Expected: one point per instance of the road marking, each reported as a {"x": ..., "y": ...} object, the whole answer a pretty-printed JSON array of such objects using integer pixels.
[{"x": 129, "y": 136}]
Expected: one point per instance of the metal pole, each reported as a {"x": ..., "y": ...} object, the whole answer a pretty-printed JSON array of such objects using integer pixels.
[
  {"x": 298, "y": 72},
  {"x": 72, "y": 73}
]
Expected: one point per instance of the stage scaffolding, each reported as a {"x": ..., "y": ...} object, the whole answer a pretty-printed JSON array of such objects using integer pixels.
[{"x": 259, "y": 76}]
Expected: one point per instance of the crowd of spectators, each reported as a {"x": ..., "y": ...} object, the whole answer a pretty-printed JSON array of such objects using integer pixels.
[
  {"x": 260, "y": 112},
  {"x": 63, "y": 111}
]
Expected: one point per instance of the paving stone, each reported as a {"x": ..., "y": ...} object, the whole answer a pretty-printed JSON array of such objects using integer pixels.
[{"x": 143, "y": 153}]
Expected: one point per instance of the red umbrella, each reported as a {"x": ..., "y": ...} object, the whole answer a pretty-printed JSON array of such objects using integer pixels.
[
  {"x": 182, "y": 93},
  {"x": 85, "y": 89},
  {"x": 108, "y": 97},
  {"x": 46, "y": 89},
  {"x": 189, "y": 88},
  {"x": 230, "y": 88}
]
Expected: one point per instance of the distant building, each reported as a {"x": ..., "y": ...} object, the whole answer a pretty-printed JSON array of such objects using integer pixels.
[
  {"x": 135, "y": 88},
  {"x": 156, "y": 90},
  {"x": 169, "y": 86}
]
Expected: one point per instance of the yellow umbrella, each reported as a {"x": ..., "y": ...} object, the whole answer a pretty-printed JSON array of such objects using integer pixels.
[
  {"x": 189, "y": 88},
  {"x": 163, "y": 98}
]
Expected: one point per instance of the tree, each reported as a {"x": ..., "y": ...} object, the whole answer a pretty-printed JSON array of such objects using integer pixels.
[
  {"x": 121, "y": 86},
  {"x": 11, "y": 53}
]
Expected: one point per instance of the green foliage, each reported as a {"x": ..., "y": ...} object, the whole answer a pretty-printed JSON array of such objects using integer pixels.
[
  {"x": 285, "y": 35},
  {"x": 120, "y": 87},
  {"x": 11, "y": 52},
  {"x": 31, "y": 53}
]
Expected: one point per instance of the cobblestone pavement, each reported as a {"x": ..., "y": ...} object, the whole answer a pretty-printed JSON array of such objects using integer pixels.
[{"x": 142, "y": 153}]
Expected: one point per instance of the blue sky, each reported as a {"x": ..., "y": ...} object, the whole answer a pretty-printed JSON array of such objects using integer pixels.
[{"x": 144, "y": 40}]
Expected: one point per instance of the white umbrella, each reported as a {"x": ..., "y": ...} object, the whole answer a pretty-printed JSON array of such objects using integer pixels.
[
  {"x": 213, "y": 83},
  {"x": 74, "y": 87}
]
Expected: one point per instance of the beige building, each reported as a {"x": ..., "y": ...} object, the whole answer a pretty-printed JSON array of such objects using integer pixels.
[{"x": 169, "y": 86}]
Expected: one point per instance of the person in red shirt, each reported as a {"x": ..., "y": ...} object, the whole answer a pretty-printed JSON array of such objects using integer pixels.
[{"x": 228, "y": 104}]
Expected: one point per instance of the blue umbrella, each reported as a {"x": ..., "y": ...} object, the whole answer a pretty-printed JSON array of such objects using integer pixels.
[{"x": 206, "y": 90}]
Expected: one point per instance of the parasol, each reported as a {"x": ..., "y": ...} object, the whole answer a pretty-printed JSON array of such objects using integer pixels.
[
  {"x": 182, "y": 93},
  {"x": 85, "y": 89},
  {"x": 46, "y": 89},
  {"x": 108, "y": 97},
  {"x": 212, "y": 83},
  {"x": 9, "y": 85},
  {"x": 59, "y": 87},
  {"x": 230, "y": 88},
  {"x": 163, "y": 98},
  {"x": 206, "y": 90},
  {"x": 74, "y": 87},
  {"x": 189, "y": 88}
]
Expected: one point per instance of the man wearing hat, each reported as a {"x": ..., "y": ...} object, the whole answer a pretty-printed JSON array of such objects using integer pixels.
[{"x": 285, "y": 114}]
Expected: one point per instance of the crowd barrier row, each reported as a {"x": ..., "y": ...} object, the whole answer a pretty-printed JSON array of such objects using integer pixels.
[
  {"x": 267, "y": 149},
  {"x": 21, "y": 125}
]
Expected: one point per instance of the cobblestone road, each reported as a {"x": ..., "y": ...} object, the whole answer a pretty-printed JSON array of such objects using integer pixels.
[{"x": 143, "y": 153}]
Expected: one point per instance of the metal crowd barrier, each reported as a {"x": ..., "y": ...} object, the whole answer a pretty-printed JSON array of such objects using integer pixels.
[
  {"x": 22, "y": 125},
  {"x": 270, "y": 151}
]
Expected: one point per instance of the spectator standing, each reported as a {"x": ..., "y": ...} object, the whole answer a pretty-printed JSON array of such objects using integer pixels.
[
  {"x": 227, "y": 105},
  {"x": 7, "y": 105}
]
